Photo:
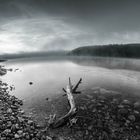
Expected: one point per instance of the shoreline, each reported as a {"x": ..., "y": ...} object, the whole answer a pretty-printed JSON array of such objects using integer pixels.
[
  {"x": 14, "y": 123},
  {"x": 102, "y": 115},
  {"x": 3, "y": 71}
]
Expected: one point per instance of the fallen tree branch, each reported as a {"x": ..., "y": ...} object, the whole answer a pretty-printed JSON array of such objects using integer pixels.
[
  {"x": 64, "y": 90},
  {"x": 72, "y": 112},
  {"x": 75, "y": 88}
]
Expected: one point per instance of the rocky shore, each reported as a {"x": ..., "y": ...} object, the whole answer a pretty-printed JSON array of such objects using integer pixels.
[
  {"x": 14, "y": 124},
  {"x": 109, "y": 116},
  {"x": 2, "y": 71},
  {"x": 101, "y": 115}
]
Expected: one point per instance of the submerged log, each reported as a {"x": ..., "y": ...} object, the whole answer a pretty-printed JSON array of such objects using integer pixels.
[{"x": 53, "y": 123}]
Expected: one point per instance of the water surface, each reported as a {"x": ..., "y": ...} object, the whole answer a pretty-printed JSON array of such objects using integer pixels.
[{"x": 49, "y": 77}]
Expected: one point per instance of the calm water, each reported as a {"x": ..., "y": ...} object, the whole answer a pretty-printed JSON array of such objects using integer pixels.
[{"x": 49, "y": 77}]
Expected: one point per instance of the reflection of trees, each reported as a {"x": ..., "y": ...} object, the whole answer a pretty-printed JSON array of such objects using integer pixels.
[{"x": 112, "y": 63}]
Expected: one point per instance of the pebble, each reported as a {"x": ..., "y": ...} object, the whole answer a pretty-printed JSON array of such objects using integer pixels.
[
  {"x": 123, "y": 111},
  {"x": 137, "y": 105},
  {"x": 49, "y": 138},
  {"x": 120, "y": 106},
  {"x": 9, "y": 124},
  {"x": 126, "y": 102},
  {"x": 132, "y": 118},
  {"x": 9, "y": 110},
  {"x": 136, "y": 112},
  {"x": 17, "y": 136},
  {"x": 7, "y": 131},
  {"x": 19, "y": 132},
  {"x": 90, "y": 127},
  {"x": 30, "y": 83},
  {"x": 30, "y": 122}
]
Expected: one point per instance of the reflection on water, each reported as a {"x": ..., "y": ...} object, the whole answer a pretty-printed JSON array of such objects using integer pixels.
[
  {"x": 109, "y": 62},
  {"x": 49, "y": 77}
]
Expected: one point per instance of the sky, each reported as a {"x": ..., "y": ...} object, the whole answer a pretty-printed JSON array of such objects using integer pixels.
[{"x": 47, "y": 25}]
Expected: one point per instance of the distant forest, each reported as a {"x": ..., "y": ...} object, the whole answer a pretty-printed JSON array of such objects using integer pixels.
[
  {"x": 115, "y": 50},
  {"x": 111, "y": 50}
]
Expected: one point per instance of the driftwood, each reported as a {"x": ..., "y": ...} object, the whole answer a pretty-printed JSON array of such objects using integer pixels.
[
  {"x": 75, "y": 88},
  {"x": 53, "y": 123}
]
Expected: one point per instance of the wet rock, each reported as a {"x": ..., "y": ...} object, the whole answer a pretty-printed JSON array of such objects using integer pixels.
[
  {"x": 17, "y": 136},
  {"x": 10, "y": 69},
  {"x": 20, "y": 132},
  {"x": 21, "y": 111},
  {"x": 115, "y": 101},
  {"x": 89, "y": 96},
  {"x": 9, "y": 110},
  {"x": 12, "y": 118},
  {"x": 20, "y": 119},
  {"x": 27, "y": 137},
  {"x": 3, "y": 138},
  {"x": 49, "y": 138},
  {"x": 127, "y": 102},
  {"x": 14, "y": 107},
  {"x": 90, "y": 127},
  {"x": 17, "y": 126},
  {"x": 30, "y": 83},
  {"x": 94, "y": 110},
  {"x": 102, "y": 98},
  {"x": 132, "y": 118},
  {"x": 128, "y": 121},
  {"x": 120, "y": 106},
  {"x": 43, "y": 137},
  {"x": 38, "y": 135},
  {"x": 13, "y": 128},
  {"x": 9, "y": 124},
  {"x": 86, "y": 133},
  {"x": 82, "y": 108},
  {"x": 123, "y": 111},
  {"x": 7, "y": 131},
  {"x": 136, "y": 112},
  {"x": 30, "y": 122},
  {"x": 103, "y": 91},
  {"x": 137, "y": 105}
]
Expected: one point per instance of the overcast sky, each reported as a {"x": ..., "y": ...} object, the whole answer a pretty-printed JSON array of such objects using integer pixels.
[{"x": 42, "y": 25}]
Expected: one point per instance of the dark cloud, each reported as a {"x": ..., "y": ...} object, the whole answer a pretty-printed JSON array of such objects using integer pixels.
[
  {"x": 79, "y": 22},
  {"x": 111, "y": 13}
]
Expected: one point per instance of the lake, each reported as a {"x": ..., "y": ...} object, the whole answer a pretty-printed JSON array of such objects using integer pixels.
[{"x": 50, "y": 76}]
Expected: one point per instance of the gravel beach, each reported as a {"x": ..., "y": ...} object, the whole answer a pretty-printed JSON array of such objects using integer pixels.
[{"x": 14, "y": 124}]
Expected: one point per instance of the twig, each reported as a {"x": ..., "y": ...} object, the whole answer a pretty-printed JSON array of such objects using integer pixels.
[{"x": 75, "y": 88}]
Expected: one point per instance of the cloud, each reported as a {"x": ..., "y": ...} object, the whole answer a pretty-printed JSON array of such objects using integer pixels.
[
  {"x": 33, "y": 25},
  {"x": 47, "y": 33},
  {"x": 40, "y": 34}
]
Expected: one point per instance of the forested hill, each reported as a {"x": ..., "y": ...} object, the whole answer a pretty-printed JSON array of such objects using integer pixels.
[{"x": 115, "y": 50}]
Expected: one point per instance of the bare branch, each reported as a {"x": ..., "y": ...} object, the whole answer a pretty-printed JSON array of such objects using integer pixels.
[
  {"x": 70, "y": 85},
  {"x": 64, "y": 90},
  {"x": 75, "y": 88},
  {"x": 77, "y": 92}
]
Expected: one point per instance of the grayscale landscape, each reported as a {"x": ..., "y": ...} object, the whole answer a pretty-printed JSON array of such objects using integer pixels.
[{"x": 69, "y": 70}]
